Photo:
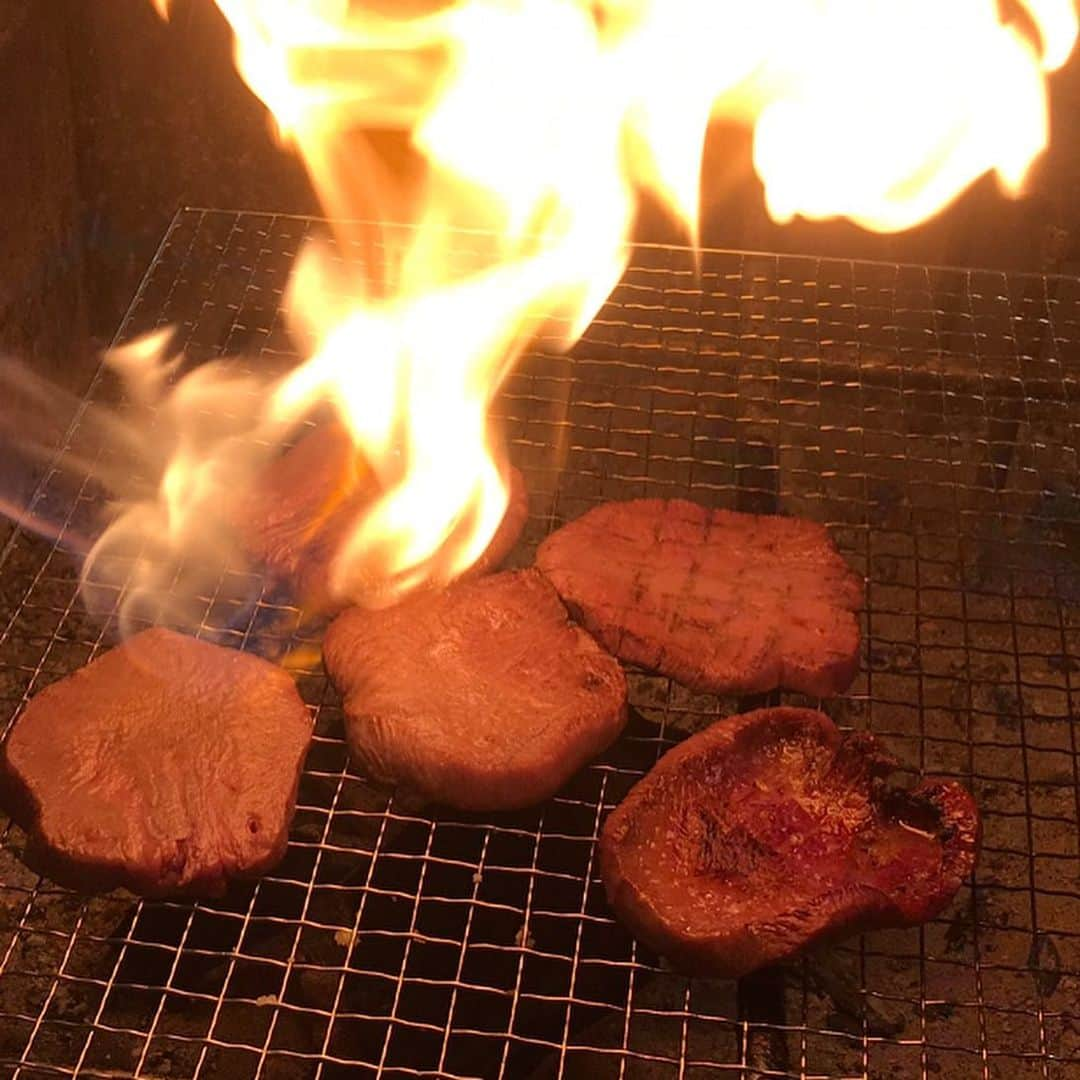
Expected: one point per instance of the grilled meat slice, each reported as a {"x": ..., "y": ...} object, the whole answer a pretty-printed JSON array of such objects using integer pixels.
[
  {"x": 166, "y": 766},
  {"x": 770, "y": 831},
  {"x": 307, "y": 501},
  {"x": 721, "y": 601},
  {"x": 483, "y": 696},
  {"x": 301, "y": 508}
]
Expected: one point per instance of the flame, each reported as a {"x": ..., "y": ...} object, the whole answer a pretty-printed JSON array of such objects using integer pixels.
[
  {"x": 538, "y": 124},
  {"x": 884, "y": 112}
]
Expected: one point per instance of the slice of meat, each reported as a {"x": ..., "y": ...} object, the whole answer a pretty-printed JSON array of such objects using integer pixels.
[
  {"x": 483, "y": 696},
  {"x": 721, "y": 601},
  {"x": 166, "y": 766},
  {"x": 301, "y": 508},
  {"x": 307, "y": 501},
  {"x": 770, "y": 831}
]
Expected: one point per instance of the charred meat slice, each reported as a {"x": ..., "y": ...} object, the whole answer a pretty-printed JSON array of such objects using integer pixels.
[
  {"x": 166, "y": 766},
  {"x": 483, "y": 696},
  {"x": 723, "y": 602},
  {"x": 307, "y": 501},
  {"x": 770, "y": 831}
]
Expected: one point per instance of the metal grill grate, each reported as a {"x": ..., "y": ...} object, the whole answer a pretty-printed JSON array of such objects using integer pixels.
[{"x": 928, "y": 417}]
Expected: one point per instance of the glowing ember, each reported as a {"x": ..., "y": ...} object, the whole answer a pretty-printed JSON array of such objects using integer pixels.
[{"x": 539, "y": 122}]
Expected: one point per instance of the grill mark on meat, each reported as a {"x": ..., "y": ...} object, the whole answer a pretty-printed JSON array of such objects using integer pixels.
[
  {"x": 724, "y": 602},
  {"x": 483, "y": 696},
  {"x": 148, "y": 768},
  {"x": 771, "y": 831}
]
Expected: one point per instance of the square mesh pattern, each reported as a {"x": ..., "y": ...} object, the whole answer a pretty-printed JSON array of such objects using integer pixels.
[{"x": 928, "y": 417}]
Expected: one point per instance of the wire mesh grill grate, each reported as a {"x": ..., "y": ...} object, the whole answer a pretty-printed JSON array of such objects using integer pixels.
[{"x": 927, "y": 416}]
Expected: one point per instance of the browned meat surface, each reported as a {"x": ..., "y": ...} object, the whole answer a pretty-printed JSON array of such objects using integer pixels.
[
  {"x": 483, "y": 696},
  {"x": 166, "y": 766},
  {"x": 770, "y": 831},
  {"x": 307, "y": 501},
  {"x": 721, "y": 601}
]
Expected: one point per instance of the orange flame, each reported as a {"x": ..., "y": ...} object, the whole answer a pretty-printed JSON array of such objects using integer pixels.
[{"x": 539, "y": 122}]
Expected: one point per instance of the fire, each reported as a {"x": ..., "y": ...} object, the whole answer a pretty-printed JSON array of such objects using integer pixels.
[
  {"x": 539, "y": 123},
  {"x": 883, "y": 112}
]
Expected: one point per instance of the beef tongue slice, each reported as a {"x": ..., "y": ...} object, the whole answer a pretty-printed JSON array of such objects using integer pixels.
[
  {"x": 483, "y": 696},
  {"x": 305, "y": 504},
  {"x": 721, "y": 601},
  {"x": 167, "y": 766},
  {"x": 300, "y": 507},
  {"x": 770, "y": 831}
]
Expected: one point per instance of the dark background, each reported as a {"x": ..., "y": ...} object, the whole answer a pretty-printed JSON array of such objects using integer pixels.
[{"x": 111, "y": 119}]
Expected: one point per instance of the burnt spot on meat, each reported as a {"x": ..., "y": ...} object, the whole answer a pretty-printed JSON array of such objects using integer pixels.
[
  {"x": 729, "y": 852},
  {"x": 173, "y": 866},
  {"x": 913, "y": 812},
  {"x": 770, "y": 831}
]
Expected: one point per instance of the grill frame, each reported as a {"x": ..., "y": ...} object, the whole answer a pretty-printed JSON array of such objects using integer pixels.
[{"x": 923, "y": 414}]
